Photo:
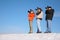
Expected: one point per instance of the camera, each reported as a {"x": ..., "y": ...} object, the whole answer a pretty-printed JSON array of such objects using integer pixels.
[{"x": 28, "y": 11}]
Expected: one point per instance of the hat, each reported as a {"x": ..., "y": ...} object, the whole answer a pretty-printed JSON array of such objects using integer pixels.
[
  {"x": 48, "y": 7},
  {"x": 38, "y": 8}
]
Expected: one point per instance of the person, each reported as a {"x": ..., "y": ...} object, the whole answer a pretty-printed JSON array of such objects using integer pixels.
[
  {"x": 49, "y": 16},
  {"x": 31, "y": 16},
  {"x": 39, "y": 16}
]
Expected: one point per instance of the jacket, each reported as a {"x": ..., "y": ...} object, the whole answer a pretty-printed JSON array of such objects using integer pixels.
[
  {"x": 49, "y": 14},
  {"x": 39, "y": 15},
  {"x": 31, "y": 16}
]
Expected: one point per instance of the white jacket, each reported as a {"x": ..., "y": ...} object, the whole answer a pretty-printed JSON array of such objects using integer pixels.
[{"x": 40, "y": 15}]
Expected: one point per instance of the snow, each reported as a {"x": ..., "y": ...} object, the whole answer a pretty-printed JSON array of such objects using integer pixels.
[{"x": 39, "y": 36}]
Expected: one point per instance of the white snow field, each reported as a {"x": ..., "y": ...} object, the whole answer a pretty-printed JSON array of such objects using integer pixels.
[{"x": 39, "y": 36}]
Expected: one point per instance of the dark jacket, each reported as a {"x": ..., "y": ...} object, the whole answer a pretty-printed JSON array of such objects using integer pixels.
[{"x": 49, "y": 14}]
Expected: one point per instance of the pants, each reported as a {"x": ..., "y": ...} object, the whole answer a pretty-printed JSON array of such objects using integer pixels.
[
  {"x": 38, "y": 24},
  {"x": 48, "y": 25},
  {"x": 30, "y": 25}
]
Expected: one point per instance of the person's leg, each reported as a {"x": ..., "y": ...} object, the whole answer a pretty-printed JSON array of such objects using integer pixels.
[
  {"x": 30, "y": 25},
  {"x": 48, "y": 22},
  {"x": 49, "y": 27},
  {"x": 38, "y": 25},
  {"x": 46, "y": 26}
]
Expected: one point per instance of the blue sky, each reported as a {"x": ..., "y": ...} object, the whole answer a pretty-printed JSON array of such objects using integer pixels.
[{"x": 13, "y": 15}]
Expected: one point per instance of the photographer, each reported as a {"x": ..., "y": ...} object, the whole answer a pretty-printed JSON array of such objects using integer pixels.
[
  {"x": 31, "y": 16},
  {"x": 49, "y": 16},
  {"x": 39, "y": 16}
]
